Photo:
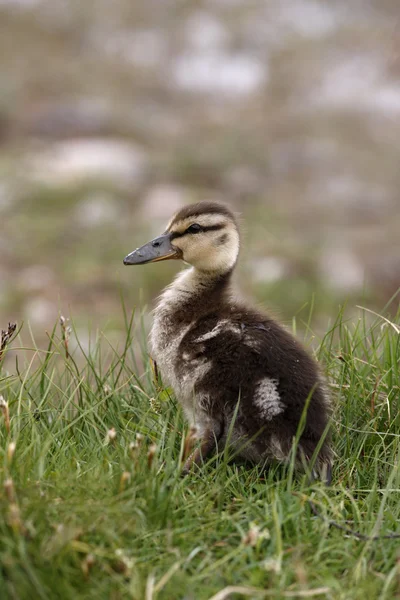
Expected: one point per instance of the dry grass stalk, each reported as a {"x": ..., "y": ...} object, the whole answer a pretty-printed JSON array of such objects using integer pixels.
[
  {"x": 65, "y": 333},
  {"x": 190, "y": 442},
  {"x": 125, "y": 478},
  {"x": 11, "y": 451},
  {"x": 87, "y": 564},
  {"x": 9, "y": 490},
  {"x": 156, "y": 374}
]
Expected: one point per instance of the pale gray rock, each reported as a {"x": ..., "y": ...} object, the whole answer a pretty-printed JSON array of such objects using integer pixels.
[
  {"x": 96, "y": 210},
  {"x": 40, "y": 312},
  {"x": 77, "y": 160}
]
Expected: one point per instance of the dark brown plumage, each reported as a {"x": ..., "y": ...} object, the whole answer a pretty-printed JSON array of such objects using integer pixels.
[{"x": 225, "y": 360}]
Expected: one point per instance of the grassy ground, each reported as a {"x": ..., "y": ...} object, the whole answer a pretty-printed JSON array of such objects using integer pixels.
[{"x": 93, "y": 504}]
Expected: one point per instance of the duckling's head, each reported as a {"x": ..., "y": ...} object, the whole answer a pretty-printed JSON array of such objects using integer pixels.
[{"x": 204, "y": 234}]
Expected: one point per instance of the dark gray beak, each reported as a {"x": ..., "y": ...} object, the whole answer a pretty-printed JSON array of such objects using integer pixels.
[{"x": 154, "y": 251}]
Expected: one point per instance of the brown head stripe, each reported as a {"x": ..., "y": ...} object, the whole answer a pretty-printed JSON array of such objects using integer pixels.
[{"x": 177, "y": 234}]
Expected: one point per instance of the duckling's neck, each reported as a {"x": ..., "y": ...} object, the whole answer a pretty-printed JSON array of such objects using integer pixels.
[{"x": 194, "y": 293}]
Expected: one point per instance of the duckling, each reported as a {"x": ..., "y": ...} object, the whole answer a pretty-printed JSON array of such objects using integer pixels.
[{"x": 241, "y": 377}]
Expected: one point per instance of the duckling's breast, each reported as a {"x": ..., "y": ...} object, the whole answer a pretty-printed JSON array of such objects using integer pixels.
[
  {"x": 165, "y": 338},
  {"x": 181, "y": 369},
  {"x": 181, "y": 366}
]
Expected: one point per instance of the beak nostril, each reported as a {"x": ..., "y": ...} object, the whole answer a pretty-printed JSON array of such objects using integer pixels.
[{"x": 154, "y": 251}]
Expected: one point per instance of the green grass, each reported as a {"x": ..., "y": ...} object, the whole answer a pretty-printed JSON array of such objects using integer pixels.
[{"x": 89, "y": 512}]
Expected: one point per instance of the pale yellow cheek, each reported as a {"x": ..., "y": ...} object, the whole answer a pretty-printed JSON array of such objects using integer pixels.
[
  {"x": 193, "y": 249},
  {"x": 206, "y": 253}
]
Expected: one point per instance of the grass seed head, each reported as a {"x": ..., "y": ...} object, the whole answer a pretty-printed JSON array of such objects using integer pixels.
[
  {"x": 155, "y": 405},
  {"x": 14, "y": 518},
  {"x": 87, "y": 564},
  {"x": 65, "y": 334},
  {"x": 6, "y": 413},
  {"x": 133, "y": 447},
  {"x": 254, "y": 535},
  {"x": 9, "y": 490},
  {"x": 125, "y": 478},
  {"x": 273, "y": 565},
  {"x": 123, "y": 564},
  {"x": 111, "y": 436},
  {"x": 11, "y": 451},
  {"x": 151, "y": 454},
  {"x": 251, "y": 537}
]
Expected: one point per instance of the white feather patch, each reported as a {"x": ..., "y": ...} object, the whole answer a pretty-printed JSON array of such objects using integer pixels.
[
  {"x": 221, "y": 327},
  {"x": 267, "y": 399}
]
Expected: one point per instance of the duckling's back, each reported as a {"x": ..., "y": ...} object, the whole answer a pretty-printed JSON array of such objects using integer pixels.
[{"x": 252, "y": 366}]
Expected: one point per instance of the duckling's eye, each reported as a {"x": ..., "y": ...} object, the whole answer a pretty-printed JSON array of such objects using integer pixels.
[{"x": 195, "y": 228}]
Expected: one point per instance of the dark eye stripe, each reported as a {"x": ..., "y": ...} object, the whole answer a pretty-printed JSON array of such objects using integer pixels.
[
  {"x": 176, "y": 234},
  {"x": 213, "y": 228}
]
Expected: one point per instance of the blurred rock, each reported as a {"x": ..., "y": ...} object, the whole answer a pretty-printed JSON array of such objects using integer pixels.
[
  {"x": 358, "y": 82},
  {"x": 341, "y": 269},
  {"x": 162, "y": 200},
  {"x": 220, "y": 72},
  {"x": 40, "y": 312},
  {"x": 73, "y": 161},
  {"x": 308, "y": 18},
  {"x": 268, "y": 269},
  {"x": 96, "y": 210}
]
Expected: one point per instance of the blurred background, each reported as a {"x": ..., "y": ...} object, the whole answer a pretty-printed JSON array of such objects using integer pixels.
[{"x": 115, "y": 114}]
